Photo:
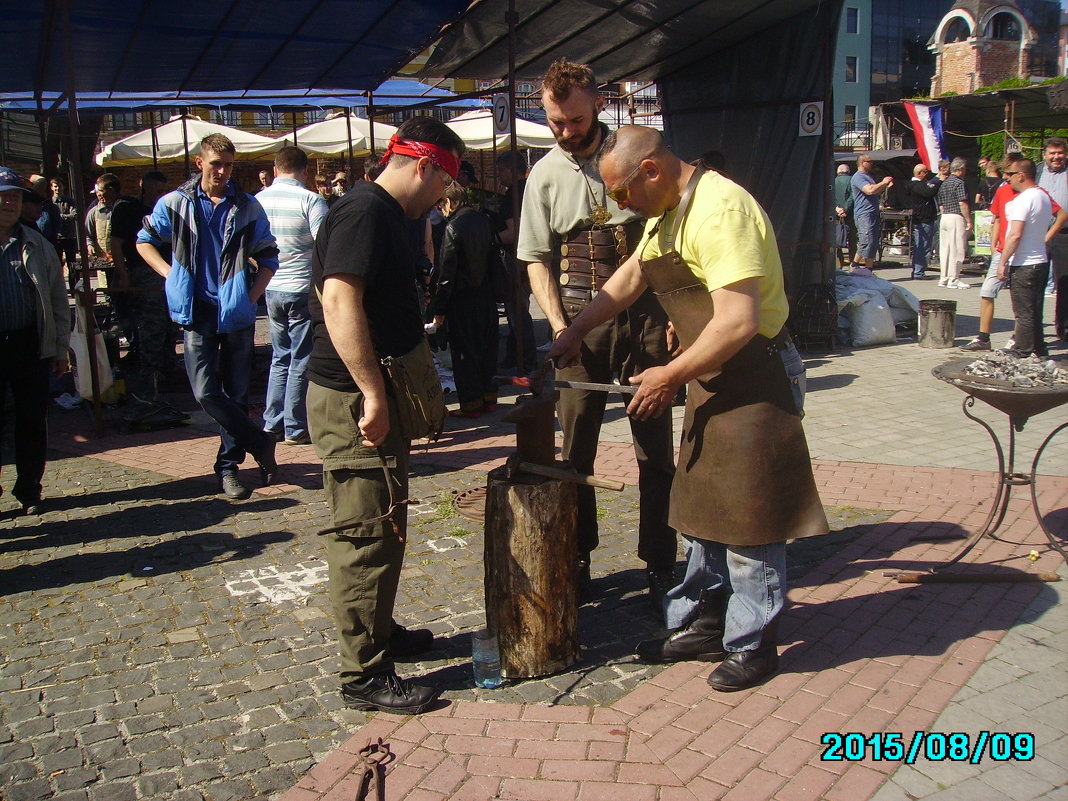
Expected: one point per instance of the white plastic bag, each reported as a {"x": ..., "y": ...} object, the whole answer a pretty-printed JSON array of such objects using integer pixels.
[
  {"x": 872, "y": 324},
  {"x": 79, "y": 345}
]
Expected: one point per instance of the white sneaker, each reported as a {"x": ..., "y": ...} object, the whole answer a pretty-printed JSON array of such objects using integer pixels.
[
  {"x": 959, "y": 285},
  {"x": 1010, "y": 344},
  {"x": 942, "y": 282}
]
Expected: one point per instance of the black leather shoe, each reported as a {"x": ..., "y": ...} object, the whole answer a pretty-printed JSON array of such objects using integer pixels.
[
  {"x": 405, "y": 643},
  {"x": 277, "y": 436},
  {"x": 700, "y": 640},
  {"x": 744, "y": 669},
  {"x": 660, "y": 581},
  {"x": 230, "y": 486},
  {"x": 387, "y": 692},
  {"x": 268, "y": 465},
  {"x": 33, "y": 508}
]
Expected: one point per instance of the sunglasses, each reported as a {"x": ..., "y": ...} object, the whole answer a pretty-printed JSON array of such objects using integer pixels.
[
  {"x": 1011, "y": 172},
  {"x": 621, "y": 194}
]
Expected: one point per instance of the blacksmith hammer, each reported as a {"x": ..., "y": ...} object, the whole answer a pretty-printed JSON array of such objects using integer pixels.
[{"x": 515, "y": 466}]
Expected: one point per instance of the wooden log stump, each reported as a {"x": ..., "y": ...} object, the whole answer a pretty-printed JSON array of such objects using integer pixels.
[{"x": 530, "y": 555}]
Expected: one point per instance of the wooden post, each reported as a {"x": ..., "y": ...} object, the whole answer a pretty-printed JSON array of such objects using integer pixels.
[{"x": 531, "y": 550}]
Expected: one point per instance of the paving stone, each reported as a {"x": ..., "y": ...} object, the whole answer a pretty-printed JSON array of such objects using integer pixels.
[{"x": 30, "y": 791}]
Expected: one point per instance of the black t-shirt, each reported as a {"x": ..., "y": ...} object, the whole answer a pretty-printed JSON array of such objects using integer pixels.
[
  {"x": 366, "y": 235},
  {"x": 126, "y": 221}
]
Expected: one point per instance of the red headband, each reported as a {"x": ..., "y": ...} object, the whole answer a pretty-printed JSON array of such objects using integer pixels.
[{"x": 438, "y": 156}]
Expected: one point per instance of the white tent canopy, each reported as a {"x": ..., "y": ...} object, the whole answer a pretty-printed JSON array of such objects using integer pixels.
[
  {"x": 136, "y": 150},
  {"x": 476, "y": 129},
  {"x": 331, "y": 136}
]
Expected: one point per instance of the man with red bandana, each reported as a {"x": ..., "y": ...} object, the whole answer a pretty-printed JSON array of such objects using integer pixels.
[{"x": 365, "y": 307}]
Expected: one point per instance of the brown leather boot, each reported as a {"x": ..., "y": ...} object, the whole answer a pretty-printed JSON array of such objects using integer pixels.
[
  {"x": 700, "y": 639},
  {"x": 744, "y": 669}
]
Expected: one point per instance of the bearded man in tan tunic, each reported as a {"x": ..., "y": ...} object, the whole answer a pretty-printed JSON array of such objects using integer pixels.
[{"x": 744, "y": 483}]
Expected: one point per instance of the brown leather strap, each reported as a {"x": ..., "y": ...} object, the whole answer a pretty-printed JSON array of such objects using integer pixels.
[
  {"x": 594, "y": 252},
  {"x": 601, "y": 269}
]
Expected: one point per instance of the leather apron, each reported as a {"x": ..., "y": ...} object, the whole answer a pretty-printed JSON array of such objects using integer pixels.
[{"x": 744, "y": 475}]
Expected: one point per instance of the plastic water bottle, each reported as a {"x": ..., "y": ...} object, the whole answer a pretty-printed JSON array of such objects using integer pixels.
[{"x": 486, "y": 660}]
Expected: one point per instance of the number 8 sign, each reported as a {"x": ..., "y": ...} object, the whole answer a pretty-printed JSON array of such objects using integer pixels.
[{"x": 810, "y": 122}]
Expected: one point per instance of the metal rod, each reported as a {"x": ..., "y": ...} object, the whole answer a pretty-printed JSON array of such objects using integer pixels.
[
  {"x": 87, "y": 297},
  {"x": 588, "y": 385}
]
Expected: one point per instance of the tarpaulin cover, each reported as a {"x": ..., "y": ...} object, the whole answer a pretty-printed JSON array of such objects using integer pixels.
[
  {"x": 331, "y": 137},
  {"x": 175, "y": 138},
  {"x": 476, "y": 129},
  {"x": 637, "y": 40},
  {"x": 745, "y": 102},
  {"x": 388, "y": 94},
  {"x": 214, "y": 45}
]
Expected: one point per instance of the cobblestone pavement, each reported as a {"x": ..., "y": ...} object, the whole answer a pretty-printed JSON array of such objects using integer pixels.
[{"x": 161, "y": 642}]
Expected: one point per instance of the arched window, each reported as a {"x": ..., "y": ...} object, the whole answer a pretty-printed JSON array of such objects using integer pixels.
[
  {"x": 1004, "y": 26},
  {"x": 957, "y": 31}
]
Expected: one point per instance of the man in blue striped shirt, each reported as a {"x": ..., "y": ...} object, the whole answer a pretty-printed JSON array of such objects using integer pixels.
[{"x": 295, "y": 214}]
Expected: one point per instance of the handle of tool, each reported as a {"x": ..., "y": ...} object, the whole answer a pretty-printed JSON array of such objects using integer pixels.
[{"x": 567, "y": 475}]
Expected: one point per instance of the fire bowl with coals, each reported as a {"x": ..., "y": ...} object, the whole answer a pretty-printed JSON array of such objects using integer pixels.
[{"x": 1020, "y": 388}]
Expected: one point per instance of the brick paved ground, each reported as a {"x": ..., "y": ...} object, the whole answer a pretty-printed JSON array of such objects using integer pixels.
[{"x": 160, "y": 642}]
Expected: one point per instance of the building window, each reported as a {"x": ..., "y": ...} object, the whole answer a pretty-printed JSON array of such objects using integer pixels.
[
  {"x": 270, "y": 119},
  {"x": 124, "y": 122},
  {"x": 957, "y": 31},
  {"x": 851, "y": 69},
  {"x": 850, "y": 117},
  {"x": 852, "y": 20},
  {"x": 1004, "y": 26},
  {"x": 224, "y": 117}
]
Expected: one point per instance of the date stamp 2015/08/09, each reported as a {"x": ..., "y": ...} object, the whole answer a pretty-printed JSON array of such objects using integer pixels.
[{"x": 933, "y": 746}]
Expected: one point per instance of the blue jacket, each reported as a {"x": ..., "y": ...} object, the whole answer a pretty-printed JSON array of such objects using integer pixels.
[{"x": 247, "y": 234}]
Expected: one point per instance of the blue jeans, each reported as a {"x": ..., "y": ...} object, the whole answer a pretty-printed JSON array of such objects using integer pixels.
[
  {"x": 756, "y": 574},
  {"x": 287, "y": 382},
  {"x": 922, "y": 236},
  {"x": 218, "y": 366}
]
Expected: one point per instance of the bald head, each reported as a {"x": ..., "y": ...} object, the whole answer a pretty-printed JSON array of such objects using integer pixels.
[{"x": 630, "y": 144}]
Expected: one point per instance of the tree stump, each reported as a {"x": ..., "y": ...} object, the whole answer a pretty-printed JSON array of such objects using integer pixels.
[{"x": 530, "y": 556}]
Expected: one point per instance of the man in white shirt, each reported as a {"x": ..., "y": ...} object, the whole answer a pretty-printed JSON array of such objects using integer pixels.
[
  {"x": 1024, "y": 262},
  {"x": 295, "y": 214}
]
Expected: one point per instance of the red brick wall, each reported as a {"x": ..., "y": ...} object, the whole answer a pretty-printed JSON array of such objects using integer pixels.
[{"x": 965, "y": 66}]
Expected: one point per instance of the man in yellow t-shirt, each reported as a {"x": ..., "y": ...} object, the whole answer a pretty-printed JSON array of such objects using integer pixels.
[{"x": 744, "y": 481}]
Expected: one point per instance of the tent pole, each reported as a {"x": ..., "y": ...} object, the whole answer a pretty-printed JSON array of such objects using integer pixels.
[
  {"x": 293, "y": 122},
  {"x": 518, "y": 289},
  {"x": 185, "y": 142},
  {"x": 348, "y": 136},
  {"x": 155, "y": 142},
  {"x": 87, "y": 297},
  {"x": 371, "y": 123}
]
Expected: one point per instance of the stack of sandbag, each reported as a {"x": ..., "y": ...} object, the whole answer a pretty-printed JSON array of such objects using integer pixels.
[{"x": 871, "y": 309}]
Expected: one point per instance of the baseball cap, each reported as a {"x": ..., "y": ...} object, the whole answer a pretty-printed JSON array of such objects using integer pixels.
[
  {"x": 9, "y": 179},
  {"x": 468, "y": 169}
]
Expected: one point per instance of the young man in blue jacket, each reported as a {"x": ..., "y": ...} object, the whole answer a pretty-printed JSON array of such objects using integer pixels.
[{"x": 222, "y": 256}]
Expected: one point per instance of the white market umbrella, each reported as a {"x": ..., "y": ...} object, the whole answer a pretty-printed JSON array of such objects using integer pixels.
[
  {"x": 331, "y": 136},
  {"x": 136, "y": 150},
  {"x": 476, "y": 129}
]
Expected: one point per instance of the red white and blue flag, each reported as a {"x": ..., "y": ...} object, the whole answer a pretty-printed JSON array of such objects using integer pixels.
[{"x": 927, "y": 125}]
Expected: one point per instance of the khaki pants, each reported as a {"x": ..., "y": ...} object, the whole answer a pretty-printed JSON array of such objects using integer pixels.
[{"x": 364, "y": 563}]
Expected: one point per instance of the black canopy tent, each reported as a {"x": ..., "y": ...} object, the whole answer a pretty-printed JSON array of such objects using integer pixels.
[
  {"x": 104, "y": 46},
  {"x": 733, "y": 77}
]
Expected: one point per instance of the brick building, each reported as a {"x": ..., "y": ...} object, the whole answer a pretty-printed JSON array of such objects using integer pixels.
[{"x": 983, "y": 42}]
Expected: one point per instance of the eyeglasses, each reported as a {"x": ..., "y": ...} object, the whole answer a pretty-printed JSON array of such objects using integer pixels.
[
  {"x": 449, "y": 180},
  {"x": 1007, "y": 173},
  {"x": 621, "y": 194}
]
